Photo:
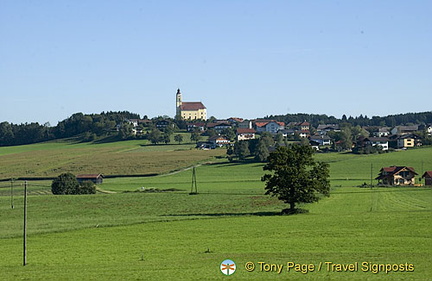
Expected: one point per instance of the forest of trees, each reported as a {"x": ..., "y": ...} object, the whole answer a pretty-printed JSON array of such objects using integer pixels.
[
  {"x": 388, "y": 121},
  {"x": 88, "y": 125}
]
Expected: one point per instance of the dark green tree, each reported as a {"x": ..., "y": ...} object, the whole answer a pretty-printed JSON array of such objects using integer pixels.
[
  {"x": 241, "y": 149},
  {"x": 166, "y": 138},
  {"x": 155, "y": 136},
  {"x": 87, "y": 187},
  {"x": 66, "y": 183},
  {"x": 195, "y": 136},
  {"x": 261, "y": 151},
  {"x": 178, "y": 138},
  {"x": 229, "y": 133},
  {"x": 296, "y": 177}
]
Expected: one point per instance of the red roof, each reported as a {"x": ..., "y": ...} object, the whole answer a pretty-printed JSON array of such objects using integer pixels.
[
  {"x": 192, "y": 106},
  {"x": 89, "y": 176},
  {"x": 427, "y": 174},
  {"x": 264, "y": 123},
  {"x": 396, "y": 169},
  {"x": 245, "y": 131}
]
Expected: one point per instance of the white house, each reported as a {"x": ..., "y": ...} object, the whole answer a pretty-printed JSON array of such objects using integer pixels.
[
  {"x": 383, "y": 142},
  {"x": 245, "y": 134},
  {"x": 269, "y": 126},
  {"x": 321, "y": 139},
  {"x": 381, "y": 132}
]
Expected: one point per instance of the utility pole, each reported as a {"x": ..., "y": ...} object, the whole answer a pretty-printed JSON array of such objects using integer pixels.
[
  {"x": 194, "y": 188},
  {"x": 371, "y": 175},
  {"x": 11, "y": 193},
  {"x": 25, "y": 226}
]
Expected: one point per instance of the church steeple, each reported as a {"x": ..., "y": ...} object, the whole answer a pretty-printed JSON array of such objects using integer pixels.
[{"x": 178, "y": 103}]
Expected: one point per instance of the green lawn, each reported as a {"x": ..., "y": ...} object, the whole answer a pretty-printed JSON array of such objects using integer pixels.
[{"x": 177, "y": 236}]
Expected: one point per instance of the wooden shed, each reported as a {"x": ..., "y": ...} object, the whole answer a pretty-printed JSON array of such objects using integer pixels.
[
  {"x": 95, "y": 178},
  {"x": 428, "y": 177}
]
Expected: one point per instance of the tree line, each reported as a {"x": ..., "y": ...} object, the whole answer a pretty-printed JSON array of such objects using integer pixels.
[
  {"x": 89, "y": 126},
  {"x": 385, "y": 121}
]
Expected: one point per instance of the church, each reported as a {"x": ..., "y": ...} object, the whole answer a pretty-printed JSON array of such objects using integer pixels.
[{"x": 190, "y": 110}]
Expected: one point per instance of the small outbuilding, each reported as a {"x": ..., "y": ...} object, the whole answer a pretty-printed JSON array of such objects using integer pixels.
[
  {"x": 95, "y": 178},
  {"x": 428, "y": 177}
]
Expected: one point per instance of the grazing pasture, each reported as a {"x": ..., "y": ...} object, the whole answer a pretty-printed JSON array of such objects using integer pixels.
[{"x": 137, "y": 233}]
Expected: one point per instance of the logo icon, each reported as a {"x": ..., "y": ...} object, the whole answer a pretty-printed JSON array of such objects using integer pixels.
[{"x": 228, "y": 267}]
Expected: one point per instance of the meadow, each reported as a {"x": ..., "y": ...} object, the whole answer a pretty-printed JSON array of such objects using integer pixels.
[
  {"x": 134, "y": 234},
  {"x": 135, "y": 157}
]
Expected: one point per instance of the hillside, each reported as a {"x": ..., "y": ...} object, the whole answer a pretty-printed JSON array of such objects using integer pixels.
[{"x": 137, "y": 157}]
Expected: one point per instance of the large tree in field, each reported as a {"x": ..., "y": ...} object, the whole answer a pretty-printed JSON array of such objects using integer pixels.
[
  {"x": 66, "y": 183},
  {"x": 297, "y": 177}
]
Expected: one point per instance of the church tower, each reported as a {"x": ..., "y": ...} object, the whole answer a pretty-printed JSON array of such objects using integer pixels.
[{"x": 178, "y": 103}]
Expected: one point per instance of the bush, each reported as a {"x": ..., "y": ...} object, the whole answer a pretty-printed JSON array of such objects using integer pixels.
[
  {"x": 87, "y": 187},
  {"x": 67, "y": 184}
]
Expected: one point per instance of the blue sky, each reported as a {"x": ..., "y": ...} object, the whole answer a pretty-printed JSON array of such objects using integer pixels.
[{"x": 241, "y": 58}]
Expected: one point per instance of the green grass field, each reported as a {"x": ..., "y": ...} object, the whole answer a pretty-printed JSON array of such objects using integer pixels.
[
  {"x": 119, "y": 158},
  {"x": 176, "y": 236}
]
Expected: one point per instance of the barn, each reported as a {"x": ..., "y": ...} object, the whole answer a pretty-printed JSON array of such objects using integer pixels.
[
  {"x": 428, "y": 177},
  {"x": 95, "y": 178}
]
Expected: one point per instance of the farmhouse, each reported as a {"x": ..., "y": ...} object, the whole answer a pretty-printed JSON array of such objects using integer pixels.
[
  {"x": 428, "y": 177},
  {"x": 95, "y": 178},
  {"x": 397, "y": 175},
  {"x": 245, "y": 134},
  {"x": 219, "y": 141}
]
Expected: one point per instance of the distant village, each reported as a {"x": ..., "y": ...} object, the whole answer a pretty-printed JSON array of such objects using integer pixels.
[{"x": 324, "y": 137}]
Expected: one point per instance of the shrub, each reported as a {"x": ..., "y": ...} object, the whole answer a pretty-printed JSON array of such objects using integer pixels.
[
  {"x": 67, "y": 184},
  {"x": 87, "y": 187}
]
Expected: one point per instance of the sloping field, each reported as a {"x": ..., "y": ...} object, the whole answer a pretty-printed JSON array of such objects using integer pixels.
[{"x": 119, "y": 158}]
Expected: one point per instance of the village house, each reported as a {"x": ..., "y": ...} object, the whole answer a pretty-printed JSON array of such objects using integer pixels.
[
  {"x": 382, "y": 142},
  {"x": 162, "y": 124},
  {"x": 323, "y": 129},
  {"x": 270, "y": 126},
  {"x": 321, "y": 139},
  {"x": 303, "y": 134},
  {"x": 219, "y": 126},
  {"x": 95, "y": 178},
  {"x": 428, "y": 177},
  {"x": 426, "y": 128},
  {"x": 397, "y": 175},
  {"x": 408, "y": 141},
  {"x": 403, "y": 130},
  {"x": 245, "y": 134},
  {"x": 235, "y": 120},
  {"x": 219, "y": 141},
  {"x": 381, "y": 132},
  {"x": 246, "y": 124},
  {"x": 287, "y": 132},
  {"x": 198, "y": 126}
]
